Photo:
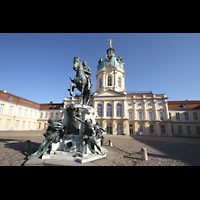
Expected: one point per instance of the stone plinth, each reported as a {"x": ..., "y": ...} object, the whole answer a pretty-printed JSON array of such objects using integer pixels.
[{"x": 70, "y": 146}]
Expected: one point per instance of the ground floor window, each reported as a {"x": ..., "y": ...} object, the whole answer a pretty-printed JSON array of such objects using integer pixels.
[
  {"x": 109, "y": 128},
  {"x": 151, "y": 129},
  {"x": 180, "y": 130},
  {"x": 141, "y": 128},
  {"x": 198, "y": 129},
  {"x": 162, "y": 128}
]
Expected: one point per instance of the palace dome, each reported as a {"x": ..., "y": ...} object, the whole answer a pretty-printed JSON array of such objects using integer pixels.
[{"x": 110, "y": 60}]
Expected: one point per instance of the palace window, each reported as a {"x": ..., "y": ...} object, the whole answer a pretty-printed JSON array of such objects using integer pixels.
[
  {"x": 140, "y": 115},
  {"x": 141, "y": 128},
  {"x": 186, "y": 116},
  {"x": 177, "y": 116},
  {"x": 198, "y": 129},
  {"x": 162, "y": 128},
  {"x": 119, "y": 110},
  {"x": 2, "y": 107},
  {"x": 150, "y": 115},
  {"x": 51, "y": 115},
  {"x": 109, "y": 81},
  {"x": 41, "y": 114},
  {"x": 195, "y": 116},
  {"x": 11, "y": 109},
  {"x": 130, "y": 114},
  {"x": 189, "y": 130},
  {"x": 119, "y": 82},
  {"x": 19, "y": 111},
  {"x": 109, "y": 110},
  {"x": 100, "y": 83},
  {"x": 180, "y": 130},
  {"x": 161, "y": 115},
  {"x": 100, "y": 110},
  {"x": 151, "y": 129}
]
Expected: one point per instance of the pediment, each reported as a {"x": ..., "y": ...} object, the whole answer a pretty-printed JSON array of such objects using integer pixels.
[{"x": 110, "y": 93}]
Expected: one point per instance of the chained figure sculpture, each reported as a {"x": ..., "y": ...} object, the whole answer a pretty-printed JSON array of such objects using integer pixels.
[
  {"x": 54, "y": 133},
  {"x": 89, "y": 136}
]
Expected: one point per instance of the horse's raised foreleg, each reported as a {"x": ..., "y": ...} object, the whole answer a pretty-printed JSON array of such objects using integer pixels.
[{"x": 72, "y": 86}]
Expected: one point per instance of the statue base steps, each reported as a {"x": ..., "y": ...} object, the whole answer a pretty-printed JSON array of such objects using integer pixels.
[{"x": 74, "y": 156}]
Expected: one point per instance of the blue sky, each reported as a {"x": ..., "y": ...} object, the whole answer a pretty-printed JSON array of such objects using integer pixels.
[{"x": 37, "y": 66}]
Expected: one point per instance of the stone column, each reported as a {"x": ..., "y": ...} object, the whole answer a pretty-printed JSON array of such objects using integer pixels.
[
  {"x": 124, "y": 109},
  {"x": 103, "y": 80},
  {"x": 104, "y": 109},
  {"x": 155, "y": 109}
]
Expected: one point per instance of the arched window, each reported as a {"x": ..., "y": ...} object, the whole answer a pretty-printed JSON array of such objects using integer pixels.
[
  {"x": 99, "y": 110},
  {"x": 109, "y": 81},
  {"x": 109, "y": 110},
  {"x": 119, "y": 110},
  {"x": 119, "y": 128}
]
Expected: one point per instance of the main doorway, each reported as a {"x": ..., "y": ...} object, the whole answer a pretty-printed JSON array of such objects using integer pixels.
[
  {"x": 109, "y": 128},
  {"x": 119, "y": 129}
]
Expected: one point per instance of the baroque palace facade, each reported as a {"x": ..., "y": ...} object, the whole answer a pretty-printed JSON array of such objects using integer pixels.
[{"x": 118, "y": 111}]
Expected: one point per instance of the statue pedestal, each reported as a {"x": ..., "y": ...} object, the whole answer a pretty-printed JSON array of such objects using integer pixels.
[{"x": 70, "y": 146}]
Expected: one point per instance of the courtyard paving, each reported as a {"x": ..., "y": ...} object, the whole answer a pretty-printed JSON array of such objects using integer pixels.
[{"x": 162, "y": 151}]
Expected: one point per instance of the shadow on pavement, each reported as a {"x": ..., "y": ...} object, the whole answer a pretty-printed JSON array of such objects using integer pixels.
[{"x": 21, "y": 146}]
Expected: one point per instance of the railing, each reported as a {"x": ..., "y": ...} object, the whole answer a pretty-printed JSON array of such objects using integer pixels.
[{"x": 140, "y": 92}]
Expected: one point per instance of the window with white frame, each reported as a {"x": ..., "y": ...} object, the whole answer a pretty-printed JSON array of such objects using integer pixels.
[
  {"x": 177, "y": 116},
  {"x": 46, "y": 114},
  {"x": 51, "y": 115},
  {"x": 140, "y": 115},
  {"x": 149, "y": 104},
  {"x": 119, "y": 110},
  {"x": 151, "y": 115},
  {"x": 31, "y": 113},
  {"x": 151, "y": 129},
  {"x": 100, "y": 110},
  {"x": 20, "y": 111},
  {"x": 130, "y": 114},
  {"x": 2, "y": 106},
  {"x": 109, "y": 110},
  {"x": 25, "y": 112},
  {"x": 119, "y": 82},
  {"x": 109, "y": 81},
  {"x": 100, "y": 83},
  {"x": 36, "y": 113},
  {"x": 11, "y": 110},
  {"x": 195, "y": 116},
  {"x": 161, "y": 115},
  {"x": 17, "y": 124},
  {"x": 162, "y": 128},
  {"x": 41, "y": 115},
  {"x": 186, "y": 116},
  {"x": 57, "y": 115}
]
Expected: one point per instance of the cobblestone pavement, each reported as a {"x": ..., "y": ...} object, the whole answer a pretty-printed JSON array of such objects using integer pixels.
[{"x": 162, "y": 151}]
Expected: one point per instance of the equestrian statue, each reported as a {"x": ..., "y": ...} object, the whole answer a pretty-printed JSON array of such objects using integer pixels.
[{"x": 82, "y": 80}]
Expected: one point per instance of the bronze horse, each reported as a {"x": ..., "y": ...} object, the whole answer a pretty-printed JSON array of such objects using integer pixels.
[{"x": 80, "y": 81}]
